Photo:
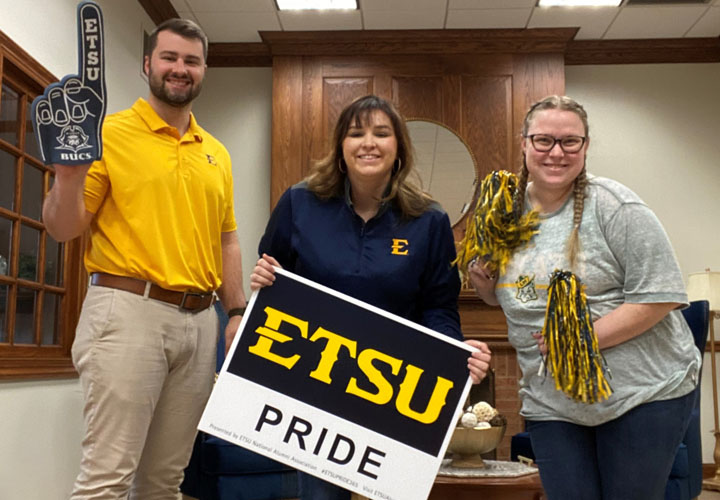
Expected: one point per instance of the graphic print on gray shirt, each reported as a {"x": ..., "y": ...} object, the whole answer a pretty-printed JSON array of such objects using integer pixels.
[{"x": 625, "y": 256}]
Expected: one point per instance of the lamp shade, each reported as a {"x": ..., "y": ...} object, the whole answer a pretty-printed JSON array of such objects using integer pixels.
[{"x": 705, "y": 286}]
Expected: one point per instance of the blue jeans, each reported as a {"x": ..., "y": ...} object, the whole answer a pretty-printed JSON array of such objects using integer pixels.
[
  {"x": 314, "y": 488},
  {"x": 628, "y": 458}
]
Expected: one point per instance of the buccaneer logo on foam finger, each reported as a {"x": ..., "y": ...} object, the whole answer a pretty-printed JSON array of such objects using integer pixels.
[{"x": 68, "y": 116}]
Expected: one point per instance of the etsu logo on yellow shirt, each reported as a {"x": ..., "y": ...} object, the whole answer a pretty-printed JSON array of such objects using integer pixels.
[
  {"x": 399, "y": 246},
  {"x": 211, "y": 159}
]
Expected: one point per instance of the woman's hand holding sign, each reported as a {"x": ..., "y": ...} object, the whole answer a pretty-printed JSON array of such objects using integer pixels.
[{"x": 68, "y": 116}]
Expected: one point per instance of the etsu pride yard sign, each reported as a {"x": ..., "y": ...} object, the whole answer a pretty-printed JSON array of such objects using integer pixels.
[{"x": 340, "y": 389}]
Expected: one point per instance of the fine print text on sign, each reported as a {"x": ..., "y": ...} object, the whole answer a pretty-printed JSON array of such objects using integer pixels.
[{"x": 340, "y": 389}]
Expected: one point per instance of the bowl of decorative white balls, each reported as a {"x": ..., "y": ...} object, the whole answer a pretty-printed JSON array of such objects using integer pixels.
[{"x": 480, "y": 430}]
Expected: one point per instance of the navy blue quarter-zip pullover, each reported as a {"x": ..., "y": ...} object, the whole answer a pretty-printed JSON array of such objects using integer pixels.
[{"x": 398, "y": 264}]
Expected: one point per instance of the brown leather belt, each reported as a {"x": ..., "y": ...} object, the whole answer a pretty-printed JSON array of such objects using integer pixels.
[{"x": 189, "y": 301}]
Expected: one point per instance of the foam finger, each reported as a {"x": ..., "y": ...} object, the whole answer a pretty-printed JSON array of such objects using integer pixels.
[
  {"x": 58, "y": 107},
  {"x": 42, "y": 112},
  {"x": 91, "y": 54}
]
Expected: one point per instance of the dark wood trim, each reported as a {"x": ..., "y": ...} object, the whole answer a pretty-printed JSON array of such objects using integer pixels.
[
  {"x": 159, "y": 10},
  {"x": 239, "y": 55},
  {"x": 36, "y": 368},
  {"x": 577, "y": 52},
  {"x": 708, "y": 470},
  {"x": 17, "y": 56},
  {"x": 386, "y": 42},
  {"x": 670, "y": 50},
  {"x": 399, "y": 42}
]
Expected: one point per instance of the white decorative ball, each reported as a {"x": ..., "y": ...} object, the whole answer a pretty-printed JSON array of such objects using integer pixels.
[{"x": 468, "y": 420}]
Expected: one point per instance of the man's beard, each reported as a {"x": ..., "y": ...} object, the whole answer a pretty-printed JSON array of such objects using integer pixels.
[{"x": 178, "y": 100}]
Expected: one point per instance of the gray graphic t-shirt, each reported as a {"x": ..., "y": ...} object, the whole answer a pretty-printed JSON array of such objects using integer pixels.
[{"x": 625, "y": 256}]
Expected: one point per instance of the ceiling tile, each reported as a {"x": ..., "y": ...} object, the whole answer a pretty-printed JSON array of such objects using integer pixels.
[
  {"x": 487, "y": 18},
  {"x": 434, "y": 5},
  {"x": 708, "y": 25},
  {"x": 313, "y": 20},
  {"x": 592, "y": 21},
  {"x": 654, "y": 22},
  {"x": 236, "y": 26},
  {"x": 403, "y": 19},
  {"x": 490, "y": 4},
  {"x": 232, "y": 5},
  {"x": 180, "y": 5}
]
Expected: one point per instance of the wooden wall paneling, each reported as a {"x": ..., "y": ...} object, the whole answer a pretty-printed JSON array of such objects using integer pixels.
[
  {"x": 287, "y": 148},
  {"x": 419, "y": 97},
  {"x": 577, "y": 52},
  {"x": 452, "y": 102},
  {"x": 487, "y": 121},
  {"x": 383, "y": 83},
  {"x": 312, "y": 113},
  {"x": 481, "y": 321},
  {"x": 483, "y": 97},
  {"x": 534, "y": 77},
  {"x": 413, "y": 42},
  {"x": 337, "y": 94}
]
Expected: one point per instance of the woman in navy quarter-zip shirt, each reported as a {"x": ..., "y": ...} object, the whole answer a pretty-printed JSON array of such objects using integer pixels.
[{"x": 358, "y": 225}]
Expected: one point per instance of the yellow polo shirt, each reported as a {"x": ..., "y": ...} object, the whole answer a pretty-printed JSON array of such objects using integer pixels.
[{"x": 160, "y": 202}]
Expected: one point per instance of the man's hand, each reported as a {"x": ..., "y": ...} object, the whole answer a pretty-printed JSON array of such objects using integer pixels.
[{"x": 68, "y": 117}]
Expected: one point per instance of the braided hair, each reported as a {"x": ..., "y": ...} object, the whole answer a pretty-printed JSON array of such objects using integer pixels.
[{"x": 562, "y": 103}]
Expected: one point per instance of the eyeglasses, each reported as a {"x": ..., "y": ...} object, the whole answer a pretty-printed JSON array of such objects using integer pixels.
[{"x": 544, "y": 143}]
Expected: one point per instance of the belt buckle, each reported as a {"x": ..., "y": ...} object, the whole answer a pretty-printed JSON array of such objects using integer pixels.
[{"x": 187, "y": 294}]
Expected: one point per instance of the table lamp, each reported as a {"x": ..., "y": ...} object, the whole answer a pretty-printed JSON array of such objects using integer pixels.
[{"x": 706, "y": 286}]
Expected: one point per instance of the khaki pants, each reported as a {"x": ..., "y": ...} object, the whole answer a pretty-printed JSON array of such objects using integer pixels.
[{"x": 146, "y": 370}]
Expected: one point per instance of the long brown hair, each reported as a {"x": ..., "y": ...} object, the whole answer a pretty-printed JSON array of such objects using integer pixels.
[
  {"x": 561, "y": 103},
  {"x": 327, "y": 176}
]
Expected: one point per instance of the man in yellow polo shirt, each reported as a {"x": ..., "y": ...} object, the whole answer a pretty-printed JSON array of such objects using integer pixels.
[{"x": 159, "y": 207}]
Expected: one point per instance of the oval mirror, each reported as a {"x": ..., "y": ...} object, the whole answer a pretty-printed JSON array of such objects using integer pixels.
[{"x": 445, "y": 165}]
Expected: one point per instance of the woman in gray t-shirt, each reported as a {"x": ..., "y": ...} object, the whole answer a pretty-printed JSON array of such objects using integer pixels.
[{"x": 623, "y": 447}]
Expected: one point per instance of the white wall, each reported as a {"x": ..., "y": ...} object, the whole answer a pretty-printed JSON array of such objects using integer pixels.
[
  {"x": 655, "y": 129},
  {"x": 40, "y": 442},
  {"x": 236, "y": 107}
]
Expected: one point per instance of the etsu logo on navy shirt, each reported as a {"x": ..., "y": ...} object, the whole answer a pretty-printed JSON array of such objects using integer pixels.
[{"x": 399, "y": 246}]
